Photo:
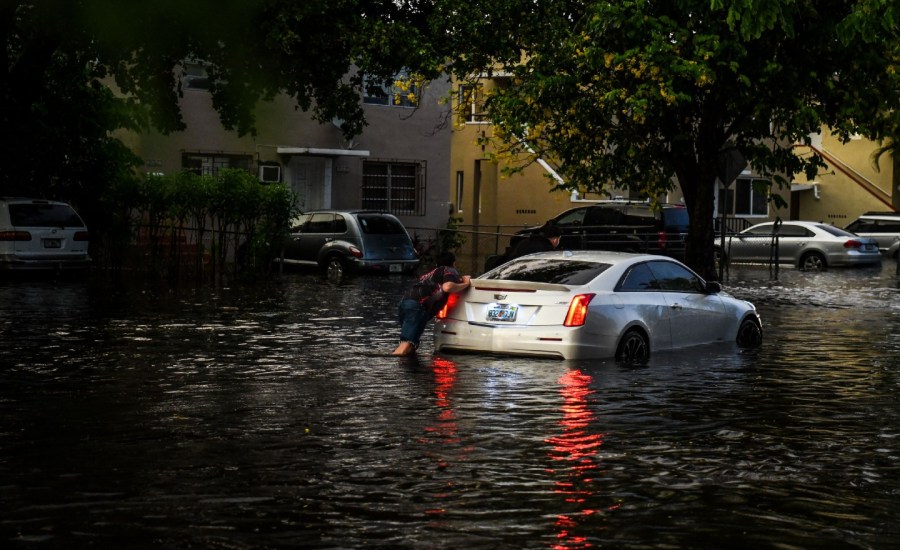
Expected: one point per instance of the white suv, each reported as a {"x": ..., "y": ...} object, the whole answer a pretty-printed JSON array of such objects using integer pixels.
[
  {"x": 881, "y": 226},
  {"x": 39, "y": 234}
]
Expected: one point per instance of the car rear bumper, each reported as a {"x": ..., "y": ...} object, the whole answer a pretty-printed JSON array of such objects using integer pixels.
[
  {"x": 556, "y": 342},
  {"x": 385, "y": 266},
  {"x": 12, "y": 262},
  {"x": 854, "y": 257}
]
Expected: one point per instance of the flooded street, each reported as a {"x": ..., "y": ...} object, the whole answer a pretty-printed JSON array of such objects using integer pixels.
[{"x": 274, "y": 417}]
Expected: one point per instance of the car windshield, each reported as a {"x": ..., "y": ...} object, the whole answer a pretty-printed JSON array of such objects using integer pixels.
[
  {"x": 43, "y": 215},
  {"x": 380, "y": 225},
  {"x": 548, "y": 270}
]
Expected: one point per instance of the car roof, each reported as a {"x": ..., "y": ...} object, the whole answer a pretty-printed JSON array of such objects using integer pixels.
[
  {"x": 601, "y": 256},
  {"x": 793, "y": 222},
  {"x": 881, "y": 216},
  {"x": 328, "y": 211},
  {"x": 30, "y": 200}
]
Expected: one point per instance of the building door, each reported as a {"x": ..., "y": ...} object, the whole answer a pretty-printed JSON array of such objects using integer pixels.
[
  {"x": 795, "y": 205},
  {"x": 310, "y": 182}
]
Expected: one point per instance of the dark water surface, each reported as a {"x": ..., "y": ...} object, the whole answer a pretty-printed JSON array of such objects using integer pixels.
[{"x": 273, "y": 417}]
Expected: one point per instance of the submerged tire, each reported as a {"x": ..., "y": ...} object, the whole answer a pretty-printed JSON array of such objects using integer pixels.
[
  {"x": 334, "y": 268},
  {"x": 633, "y": 347},
  {"x": 749, "y": 334},
  {"x": 813, "y": 261}
]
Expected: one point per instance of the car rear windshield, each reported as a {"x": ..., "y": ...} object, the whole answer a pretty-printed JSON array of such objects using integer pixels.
[
  {"x": 835, "y": 231},
  {"x": 562, "y": 272},
  {"x": 43, "y": 215},
  {"x": 380, "y": 225}
]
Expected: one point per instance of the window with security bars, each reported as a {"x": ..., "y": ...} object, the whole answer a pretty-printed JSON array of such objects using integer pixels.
[
  {"x": 395, "y": 187},
  {"x": 204, "y": 164}
]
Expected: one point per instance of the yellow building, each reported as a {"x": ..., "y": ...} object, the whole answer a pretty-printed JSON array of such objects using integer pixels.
[{"x": 851, "y": 185}]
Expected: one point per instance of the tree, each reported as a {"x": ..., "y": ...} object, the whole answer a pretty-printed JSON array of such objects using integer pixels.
[
  {"x": 632, "y": 94},
  {"x": 78, "y": 70}
]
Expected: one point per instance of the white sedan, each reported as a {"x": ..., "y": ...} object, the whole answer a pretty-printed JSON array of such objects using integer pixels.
[{"x": 592, "y": 304}]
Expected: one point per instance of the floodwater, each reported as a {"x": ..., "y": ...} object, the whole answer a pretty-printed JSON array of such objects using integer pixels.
[{"x": 274, "y": 417}]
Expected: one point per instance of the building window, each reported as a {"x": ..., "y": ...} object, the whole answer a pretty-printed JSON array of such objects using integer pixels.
[
  {"x": 395, "y": 187},
  {"x": 470, "y": 100},
  {"x": 459, "y": 191},
  {"x": 209, "y": 164},
  {"x": 745, "y": 197},
  {"x": 402, "y": 91}
]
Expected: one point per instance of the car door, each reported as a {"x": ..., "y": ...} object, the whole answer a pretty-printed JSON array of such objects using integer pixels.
[
  {"x": 792, "y": 242},
  {"x": 292, "y": 243},
  {"x": 752, "y": 245},
  {"x": 315, "y": 234},
  {"x": 605, "y": 229},
  {"x": 643, "y": 299},
  {"x": 571, "y": 223},
  {"x": 696, "y": 317}
]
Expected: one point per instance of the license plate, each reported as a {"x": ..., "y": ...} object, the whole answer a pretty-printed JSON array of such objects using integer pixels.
[
  {"x": 505, "y": 313},
  {"x": 869, "y": 247},
  {"x": 395, "y": 268},
  {"x": 51, "y": 243}
]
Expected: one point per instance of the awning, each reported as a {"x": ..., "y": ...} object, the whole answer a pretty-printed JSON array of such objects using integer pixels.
[
  {"x": 814, "y": 187},
  {"x": 314, "y": 151}
]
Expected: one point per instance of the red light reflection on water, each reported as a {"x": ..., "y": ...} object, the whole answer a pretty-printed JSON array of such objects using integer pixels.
[
  {"x": 445, "y": 430},
  {"x": 444, "y": 380},
  {"x": 575, "y": 450}
]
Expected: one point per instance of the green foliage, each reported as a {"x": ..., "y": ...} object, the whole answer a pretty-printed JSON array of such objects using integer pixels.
[
  {"x": 225, "y": 222},
  {"x": 451, "y": 240},
  {"x": 631, "y": 94},
  {"x": 78, "y": 70}
]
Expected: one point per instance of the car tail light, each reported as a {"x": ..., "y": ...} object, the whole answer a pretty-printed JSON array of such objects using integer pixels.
[
  {"x": 15, "y": 236},
  {"x": 853, "y": 243},
  {"x": 451, "y": 302},
  {"x": 82, "y": 236},
  {"x": 661, "y": 239},
  {"x": 578, "y": 309},
  {"x": 355, "y": 252}
]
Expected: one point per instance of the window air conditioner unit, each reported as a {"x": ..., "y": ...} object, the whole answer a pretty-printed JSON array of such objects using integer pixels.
[{"x": 270, "y": 174}]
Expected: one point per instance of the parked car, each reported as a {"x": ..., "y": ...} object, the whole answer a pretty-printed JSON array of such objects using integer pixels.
[
  {"x": 592, "y": 304},
  {"x": 350, "y": 241},
  {"x": 38, "y": 234},
  {"x": 884, "y": 227},
  {"x": 807, "y": 245},
  {"x": 624, "y": 226}
]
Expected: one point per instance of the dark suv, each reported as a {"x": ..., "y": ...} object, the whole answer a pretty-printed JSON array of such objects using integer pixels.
[
  {"x": 339, "y": 241},
  {"x": 620, "y": 225}
]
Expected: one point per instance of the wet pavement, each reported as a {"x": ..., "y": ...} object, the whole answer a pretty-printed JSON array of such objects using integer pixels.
[{"x": 272, "y": 416}]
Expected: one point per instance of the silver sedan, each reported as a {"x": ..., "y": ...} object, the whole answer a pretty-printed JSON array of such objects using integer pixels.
[
  {"x": 592, "y": 304},
  {"x": 807, "y": 245}
]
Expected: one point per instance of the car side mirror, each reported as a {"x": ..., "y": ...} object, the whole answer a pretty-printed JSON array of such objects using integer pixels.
[{"x": 712, "y": 287}]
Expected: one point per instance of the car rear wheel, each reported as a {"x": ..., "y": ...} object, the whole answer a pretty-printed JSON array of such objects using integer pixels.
[
  {"x": 633, "y": 348},
  {"x": 334, "y": 268},
  {"x": 749, "y": 334},
  {"x": 813, "y": 261}
]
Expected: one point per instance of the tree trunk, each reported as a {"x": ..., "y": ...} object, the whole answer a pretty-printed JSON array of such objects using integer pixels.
[{"x": 698, "y": 183}]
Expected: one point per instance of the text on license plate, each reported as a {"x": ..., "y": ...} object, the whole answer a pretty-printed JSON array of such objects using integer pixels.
[
  {"x": 51, "y": 243},
  {"x": 502, "y": 312},
  {"x": 395, "y": 268}
]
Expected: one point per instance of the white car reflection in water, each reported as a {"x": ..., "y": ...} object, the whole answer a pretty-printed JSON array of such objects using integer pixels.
[{"x": 592, "y": 304}]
